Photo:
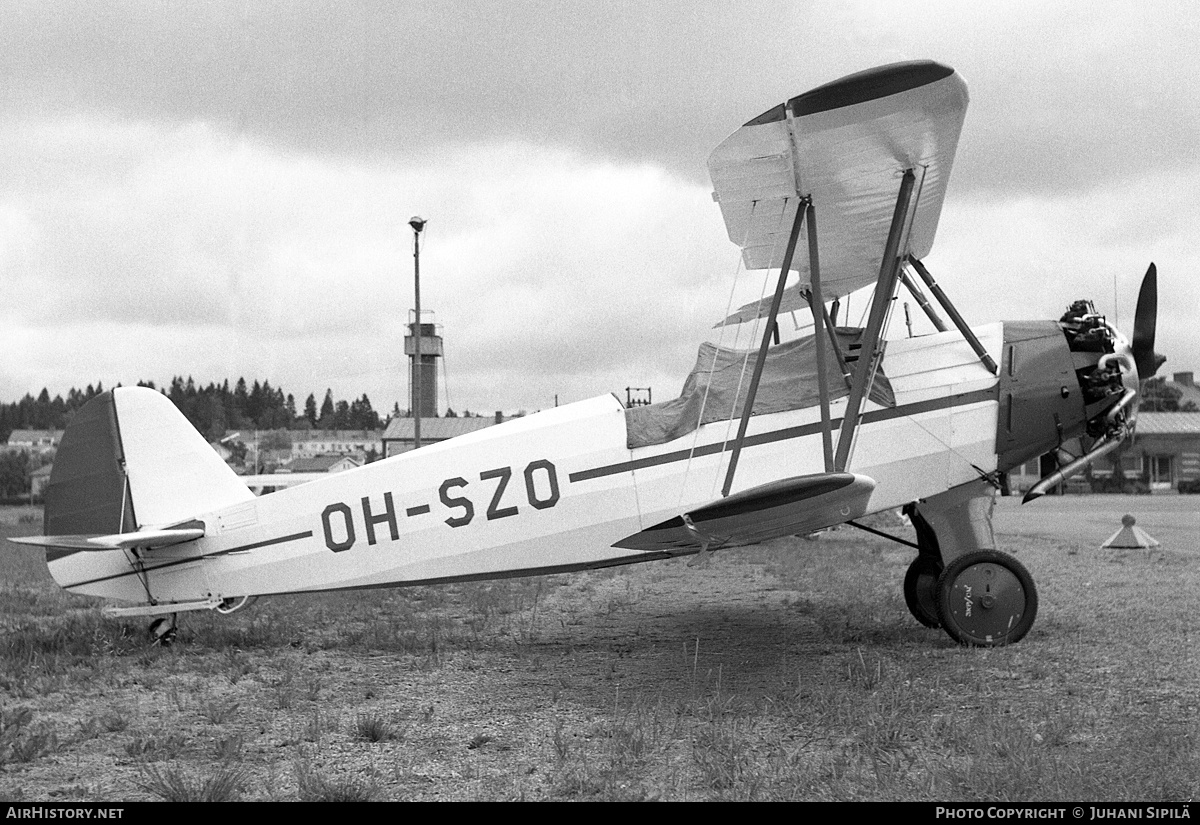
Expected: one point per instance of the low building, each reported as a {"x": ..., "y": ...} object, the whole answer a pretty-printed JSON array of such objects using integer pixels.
[
  {"x": 1163, "y": 454},
  {"x": 1021, "y": 478},
  {"x": 277, "y": 447},
  {"x": 1165, "y": 449},
  {"x": 34, "y": 441},
  {"x": 311, "y": 443},
  {"x": 38, "y": 480},
  {"x": 1185, "y": 382},
  {"x": 400, "y": 435},
  {"x": 321, "y": 464}
]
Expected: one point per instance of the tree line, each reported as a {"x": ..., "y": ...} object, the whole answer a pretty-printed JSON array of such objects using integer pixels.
[
  {"x": 212, "y": 409},
  {"x": 1159, "y": 396}
]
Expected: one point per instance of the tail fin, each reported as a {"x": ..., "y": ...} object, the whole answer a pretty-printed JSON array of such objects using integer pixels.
[{"x": 130, "y": 460}]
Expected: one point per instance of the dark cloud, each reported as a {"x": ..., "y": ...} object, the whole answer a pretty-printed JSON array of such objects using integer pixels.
[
  {"x": 1061, "y": 96},
  {"x": 625, "y": 78}
]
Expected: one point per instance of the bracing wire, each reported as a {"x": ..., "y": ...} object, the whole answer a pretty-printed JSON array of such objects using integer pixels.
[
  {"x": 733, "y": 412},
  {"x": 716, "y": 354},
  {"x": 949, "y": 448}
]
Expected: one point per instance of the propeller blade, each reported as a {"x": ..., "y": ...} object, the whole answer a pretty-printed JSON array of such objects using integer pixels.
[{"x": 1145, "y": 319}]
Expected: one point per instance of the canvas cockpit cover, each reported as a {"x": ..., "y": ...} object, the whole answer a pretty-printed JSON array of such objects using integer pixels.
[{"x": 716, "y": 391}]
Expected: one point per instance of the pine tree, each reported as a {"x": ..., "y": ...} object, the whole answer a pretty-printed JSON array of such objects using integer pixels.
[{"x": 325, "y": 422}]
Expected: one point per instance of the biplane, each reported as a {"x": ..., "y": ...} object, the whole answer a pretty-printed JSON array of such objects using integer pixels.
[{"x": 839, "y": 189}]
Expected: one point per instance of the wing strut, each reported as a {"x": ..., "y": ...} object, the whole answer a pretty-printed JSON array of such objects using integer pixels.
[
  {"x": 958, "y": 320},
  {"x": 784, "y": 271},
  {"x": 885, "y": 288},
  {"x": 817, "y": 304},
  {"x": 922, "y": 301},
  {"x": 831, "y": 330}
]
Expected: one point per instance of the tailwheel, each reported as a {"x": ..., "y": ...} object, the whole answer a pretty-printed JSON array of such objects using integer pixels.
[
  {"x": 162, "y": 631},
  {"x": 920, "y": 589},
  {"x": 986, "y": 598}
]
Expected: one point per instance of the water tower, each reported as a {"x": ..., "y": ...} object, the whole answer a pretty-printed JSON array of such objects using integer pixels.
[{"x": 423, "y": 370}]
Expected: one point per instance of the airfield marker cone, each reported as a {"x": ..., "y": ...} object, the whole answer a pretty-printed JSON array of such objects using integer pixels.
[{"x": 1130, "y": 535}]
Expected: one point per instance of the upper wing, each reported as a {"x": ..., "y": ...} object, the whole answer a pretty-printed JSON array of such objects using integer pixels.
[
  {"x": 792, "y": 506},
  {"x": 846, "y": 145}
]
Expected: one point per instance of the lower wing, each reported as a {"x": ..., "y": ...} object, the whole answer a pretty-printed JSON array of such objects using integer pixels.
[{"x": 793, "y": 506}]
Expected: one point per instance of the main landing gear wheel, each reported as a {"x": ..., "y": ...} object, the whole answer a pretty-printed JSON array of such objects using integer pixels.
[
  {"x": 920, "y": 589},
  {"x": 162, "y": 631},
  {"x": 986, "y": 598}
]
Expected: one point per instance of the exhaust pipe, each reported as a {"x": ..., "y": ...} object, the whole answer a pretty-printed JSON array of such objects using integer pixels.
[{"x": 1118, "y": 429}]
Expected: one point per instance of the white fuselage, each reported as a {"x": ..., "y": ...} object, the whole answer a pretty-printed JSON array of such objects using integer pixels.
[{"x": 555, "y": 490}]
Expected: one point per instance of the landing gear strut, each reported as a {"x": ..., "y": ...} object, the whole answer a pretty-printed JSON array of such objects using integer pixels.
[
  {"x": 920, "y": 582},
  {"x": 978, "y": 595}
]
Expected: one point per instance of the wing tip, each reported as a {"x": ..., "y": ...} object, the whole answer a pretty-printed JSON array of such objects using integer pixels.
[{"x": 858, "y": 87}]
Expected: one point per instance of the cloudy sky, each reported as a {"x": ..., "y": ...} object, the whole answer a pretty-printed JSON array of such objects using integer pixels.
[{"x": 222, "y": 189}]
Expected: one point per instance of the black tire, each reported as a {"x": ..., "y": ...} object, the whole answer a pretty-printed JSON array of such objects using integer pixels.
[
  {"x": 986, "y": 599},
  {"x": 920, "y": 589}
]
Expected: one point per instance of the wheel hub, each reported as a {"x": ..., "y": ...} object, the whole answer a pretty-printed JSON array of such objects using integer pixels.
[{"x": 986, "y": 598}]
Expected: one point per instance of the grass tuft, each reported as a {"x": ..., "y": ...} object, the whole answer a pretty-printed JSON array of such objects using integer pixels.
[
  {"x": 223, "y": 783},
  {"x": 152, "y": 748},
  {"x": 218, "y": 712},
  {"x": 21, "y": 741},
  {"x": 372, "y": 727},
  {"x": 316, "y": 787}
]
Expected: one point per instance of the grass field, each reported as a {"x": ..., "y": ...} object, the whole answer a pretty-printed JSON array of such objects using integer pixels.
[{"x": 787, "y": 671}]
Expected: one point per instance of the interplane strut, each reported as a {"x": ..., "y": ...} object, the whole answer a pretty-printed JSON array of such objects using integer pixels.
[
  {"x": 885, "y": 288},
  {"x": 748, "y": 407}
]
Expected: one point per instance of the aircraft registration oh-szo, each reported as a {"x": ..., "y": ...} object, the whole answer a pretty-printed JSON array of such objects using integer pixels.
[{"x": 837, "y": 189}]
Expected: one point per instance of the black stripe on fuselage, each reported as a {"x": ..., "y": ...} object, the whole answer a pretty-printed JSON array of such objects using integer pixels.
[
  {"x": 786, "y": 434},
  {"x": 307, "y": 534},
  {"x": 176, "y": 562}
]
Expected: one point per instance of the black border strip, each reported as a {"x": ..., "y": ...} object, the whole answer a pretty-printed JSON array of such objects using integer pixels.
[
  {"x": 873, "y": 416},
  {"x": 860, "y": 87}
]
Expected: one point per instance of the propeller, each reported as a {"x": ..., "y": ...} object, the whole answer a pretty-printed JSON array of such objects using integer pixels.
[{"x": 1144, "y": 322}]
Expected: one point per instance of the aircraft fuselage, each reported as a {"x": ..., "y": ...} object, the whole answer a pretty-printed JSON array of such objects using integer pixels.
[{"x": 555, "y": 490}]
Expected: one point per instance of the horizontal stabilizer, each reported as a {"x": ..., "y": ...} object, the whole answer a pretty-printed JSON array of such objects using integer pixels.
[
  {"x": 793, "y": 506},
  {"x": 145, "y": 539}
]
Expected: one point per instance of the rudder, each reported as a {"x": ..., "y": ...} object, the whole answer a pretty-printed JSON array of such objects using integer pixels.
[
  {"x": 130, "y": 460},
  {"x": 87, "y": 493}
]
